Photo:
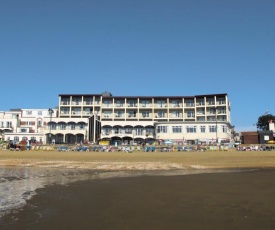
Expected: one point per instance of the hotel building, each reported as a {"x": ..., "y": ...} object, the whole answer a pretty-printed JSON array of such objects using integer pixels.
[{"x": 204, "y": 118}]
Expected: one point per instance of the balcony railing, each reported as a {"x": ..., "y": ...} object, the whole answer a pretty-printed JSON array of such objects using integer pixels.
[
  {"x": 189, "y": 104},
  {"x": 65, "y": 103}
]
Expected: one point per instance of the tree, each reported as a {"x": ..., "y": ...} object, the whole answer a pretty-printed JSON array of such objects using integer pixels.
[{"x": 264, "y": 120}]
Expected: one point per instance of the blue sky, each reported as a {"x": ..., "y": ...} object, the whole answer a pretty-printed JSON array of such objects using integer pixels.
[{"x": 139, "y": 47}]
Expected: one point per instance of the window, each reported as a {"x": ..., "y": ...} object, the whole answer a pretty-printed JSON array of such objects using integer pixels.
[
  {"x": 119, "y": 104},
  {"x": 162, "y": 129},
  {"x": 139, "y": 131},
  {"x": 65, "y": 110},
  {"x": 9, "y": 124},
  {"x": 39, "y": 112},
  {"x": 65, "y": 102},
  {"x": 107, "y": 130},
  {"x": 16, "y": 139},
  {"x": 202, "y": 128},
  {"x": 52, "y": 126},
  {"x": 145, "y": 114},
  {"x": 77, "y": 101},
  {"x": 175, "y": 114},
  {"x": 119, "y": 114},
  {"x": 161, "y": 114},
  {"x": 87, "y": 111},
  {"x": 149, "y": 131},
  {"x": 117, "y": 130},
  {"x": 221, "y": 110},
  {"x": 89, "y": 101},
  {"x": 189, "y": 103},
  {"x": 29, "y": 112},
  {"x": 191, "y": 129},
  {"x": 201, "y": 112},
  {"x": 211, "y": 101},
  {"x": 224, "y": 129},
  {"x": 128, "y": 130},
  {"x": 190, "y": 114},
  {"x": 39, "y": 123},
  {"x": 107, "y": 114},
  {"x": 221, "y": 101},
  {"x": 82, "y": 126},
  {"x": 132, "y": 104},
  {"x": 107, "y": 103},
  {"x": 212, "y": 111},
  {"x": 63, "y": 126},
  {"x": 132, "y": 114},
  {"x": 176, "y": 103},
  {"x": 72, "y": 126},
  {"x": 24, "y": 138},
  {"x": 212, "y": 128},
  {"x": 176, "y": 129},
  {"x": 161, "y": 104},
  {"x": 145, "y": 103},
  {"x": 200, "y": 101},
  {"x": 23, "y": 130},
  {"x": 77, "y": 111}
]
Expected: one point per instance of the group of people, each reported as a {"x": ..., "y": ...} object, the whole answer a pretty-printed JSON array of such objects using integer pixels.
[{"x": 253, "y": 148}]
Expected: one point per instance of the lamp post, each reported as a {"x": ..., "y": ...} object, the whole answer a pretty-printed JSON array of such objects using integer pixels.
[{"x": 50, "y": 134}]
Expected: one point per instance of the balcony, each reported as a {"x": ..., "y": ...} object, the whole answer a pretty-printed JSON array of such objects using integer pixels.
[
  {"x": 78, "y": 113},
  {"x": 189, "y": 104},
  {"x": 76, "y": 103},
  {"x": 107, "y": 105},
  {"x": 64, "y": 113},
  {"x": 65, "y": 103},
  {"x": 176, "y": 106},
  {"x": 211, "y": 103},
  {"x": 119, "y": 105},
  {"x": 145, "y": 105},
  {"x": 86, "y": 113},
  {"x": 88, "y": 103}
]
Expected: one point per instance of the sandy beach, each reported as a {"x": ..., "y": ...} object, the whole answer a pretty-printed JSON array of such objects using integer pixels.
[
  {"x": 139, "y": 160},
  {"x": 92, "y": 190}
]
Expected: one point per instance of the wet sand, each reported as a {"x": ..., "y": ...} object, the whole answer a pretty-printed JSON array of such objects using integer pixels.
[
  {"x": 240, "y": 200},
  {"x": 235, "y": 200}
]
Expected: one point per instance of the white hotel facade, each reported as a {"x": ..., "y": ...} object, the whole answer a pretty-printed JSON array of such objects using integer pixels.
[
  {"x": 94, "y": 117},
  {"x": 147, "y": 118}
]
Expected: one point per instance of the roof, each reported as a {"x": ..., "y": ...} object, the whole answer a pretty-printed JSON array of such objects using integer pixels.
[{"x": 104, "y": 95}]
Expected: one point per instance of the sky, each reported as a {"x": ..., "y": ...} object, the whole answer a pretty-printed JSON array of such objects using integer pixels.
[{"x": 139, "y": 48}]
